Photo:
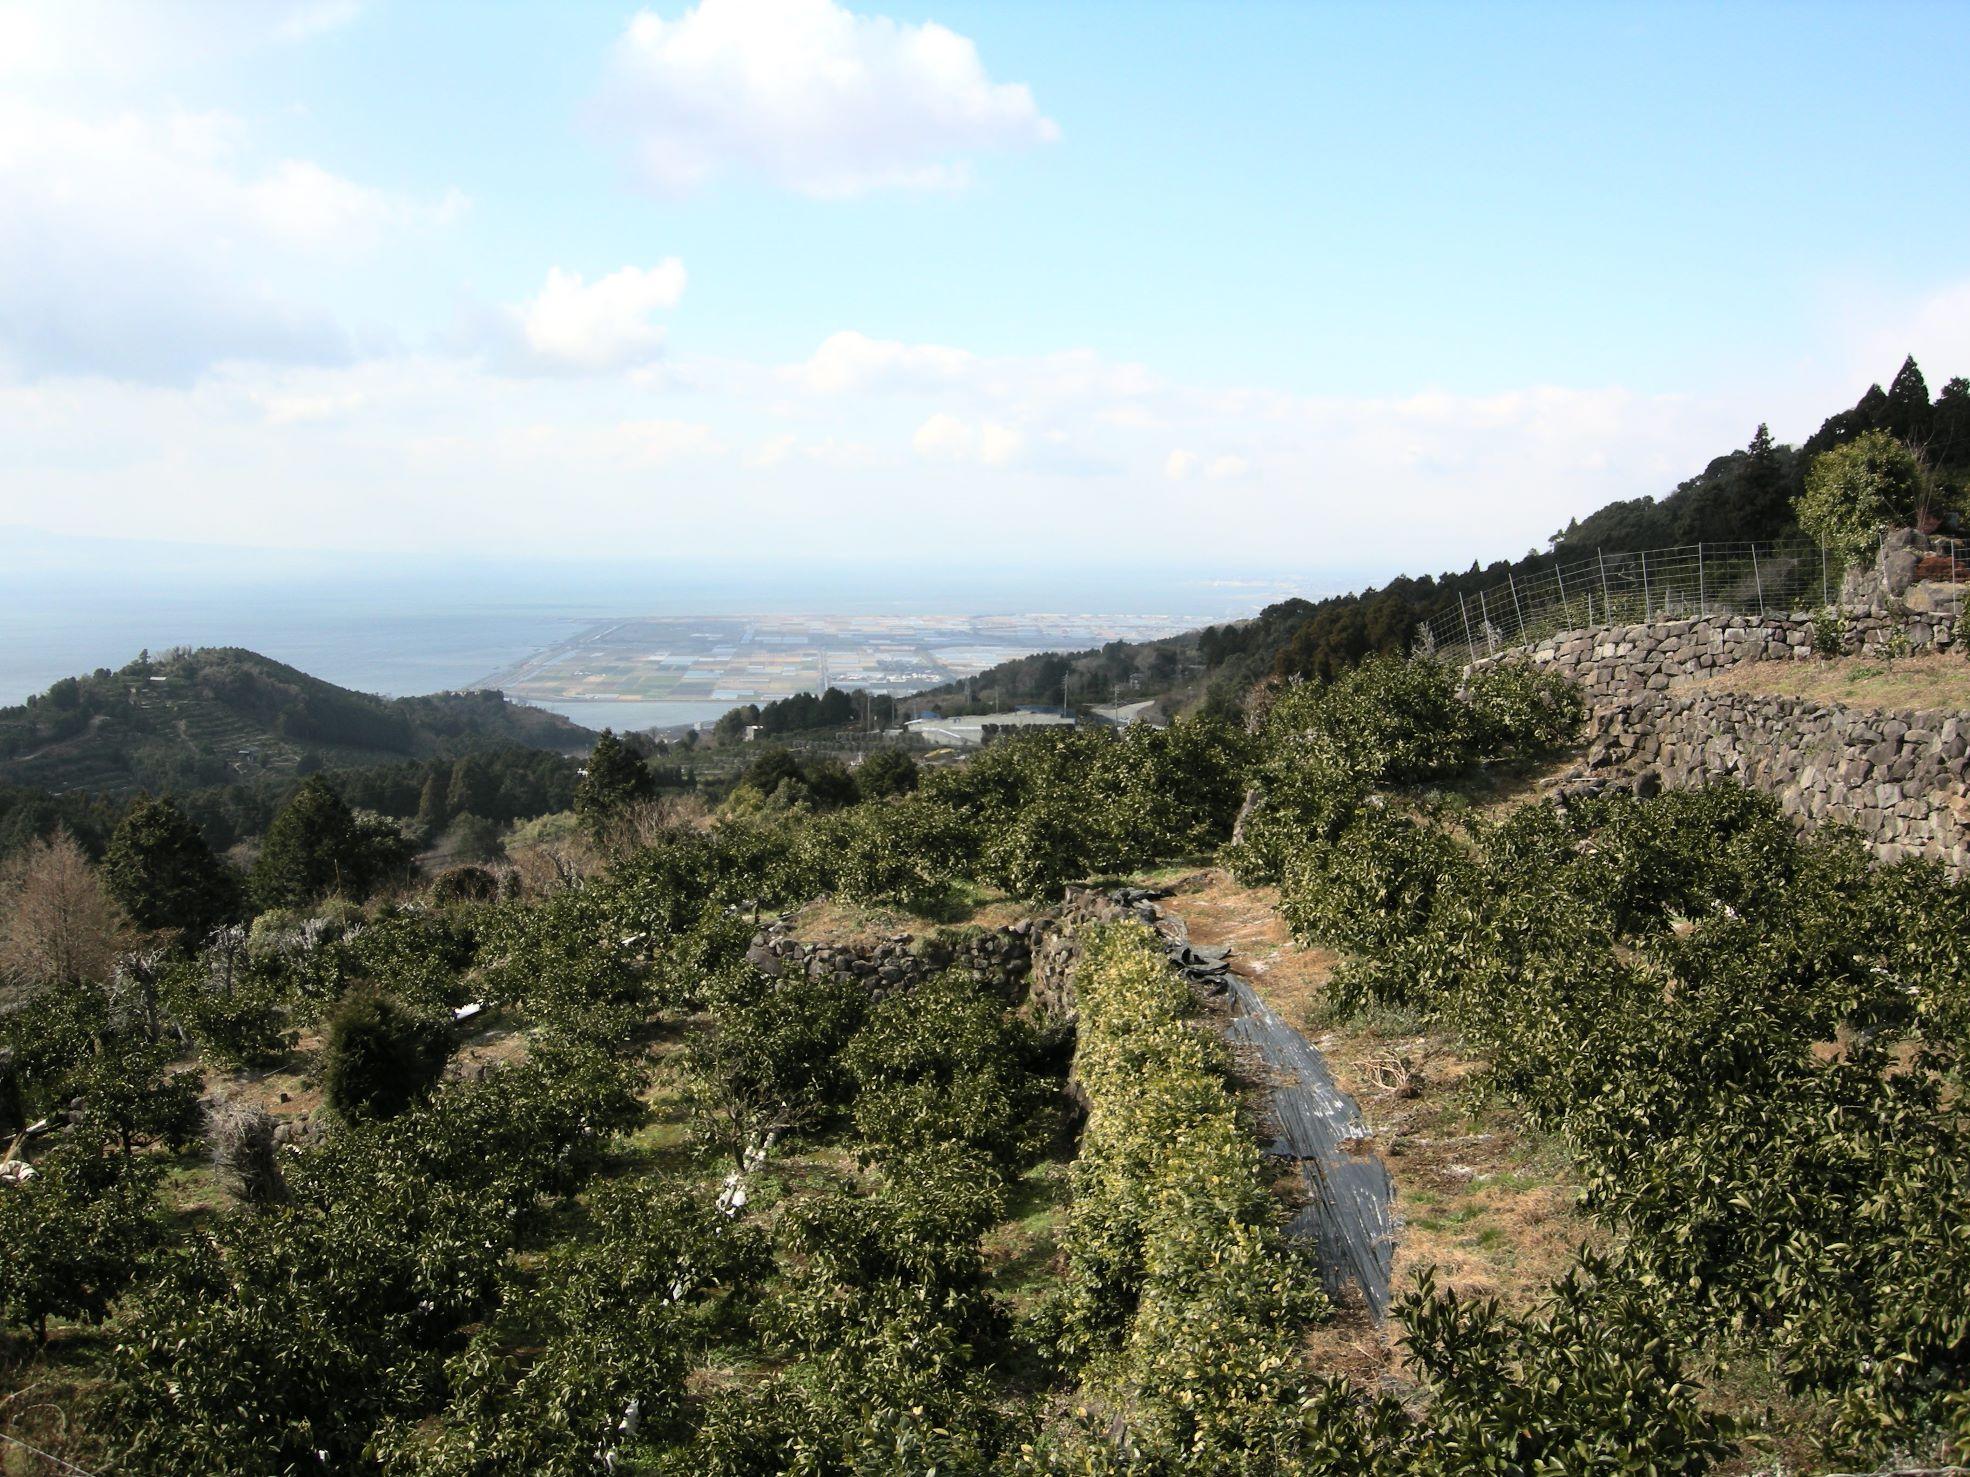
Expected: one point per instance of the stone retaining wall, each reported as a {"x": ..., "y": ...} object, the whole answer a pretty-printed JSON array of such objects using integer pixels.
[
  {"x": 1616, "y": 664},
  {"x": 1907, "y": 601},
  {"x": 1900, "y": 777},
  {"x": 1057, "y": 946},
  {"x": 1001, "y": 958}
]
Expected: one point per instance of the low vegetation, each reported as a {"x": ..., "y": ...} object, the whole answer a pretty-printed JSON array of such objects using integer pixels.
[
  {"x": 1752, "y": 1043},
  {"x": 319, "y": 1161}
]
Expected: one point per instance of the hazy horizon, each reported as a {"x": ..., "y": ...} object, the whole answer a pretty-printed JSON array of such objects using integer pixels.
[
  {"x": 399, "y": 628},
  {"x": 770, "y": 281}
]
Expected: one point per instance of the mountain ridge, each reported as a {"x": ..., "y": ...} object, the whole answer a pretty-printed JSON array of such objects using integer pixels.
[
  {"x": 1743, "y": 495},
  {"x": 215, "y": 715}
]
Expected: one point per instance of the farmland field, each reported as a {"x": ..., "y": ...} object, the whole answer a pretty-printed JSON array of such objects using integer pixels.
[{"x": 753, "y": 659}]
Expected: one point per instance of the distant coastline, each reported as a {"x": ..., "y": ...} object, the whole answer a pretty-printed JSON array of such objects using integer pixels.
[{"x": 403, "y": 636}]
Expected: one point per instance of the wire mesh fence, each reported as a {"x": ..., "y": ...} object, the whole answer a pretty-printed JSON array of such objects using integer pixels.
[{"x": 1660, "y": 584}]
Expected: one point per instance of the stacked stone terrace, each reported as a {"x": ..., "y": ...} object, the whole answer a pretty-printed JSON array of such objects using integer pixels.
[
  {"x": 1617, "y": 664},
  {"x": 1899, "y": 777}
]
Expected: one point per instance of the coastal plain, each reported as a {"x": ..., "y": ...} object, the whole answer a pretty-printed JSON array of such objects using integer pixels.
[{"x": 757, "y": 658}]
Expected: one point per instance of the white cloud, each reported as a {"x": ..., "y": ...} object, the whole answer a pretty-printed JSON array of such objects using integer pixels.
[
  {"x": 1127, "y": 414},
  {"x": 946, "y": 438},
  {"x": 772, "y": 452},
  {"x": 624, "y": 445},
  {"x": 999, "y": 446},
  {"x": 849, "y": 362},
  {"x": 842, "y": 455},
  {"x": 943, "y": 436},
  {"x": 140, "y": 245},
  {"x": 657, "y": 443},
  {"x": 303, "y": 205},
  {"x": 604, "y": 324},
  {"x": 1934, "y": 328},
  {"x": 123, "y": 39},
  {"x": 1074, "y": 382},
  {"x": 295, "y": 410},
  {"x": 448, "y": 452},
  {"x": 809, "y": 96}
]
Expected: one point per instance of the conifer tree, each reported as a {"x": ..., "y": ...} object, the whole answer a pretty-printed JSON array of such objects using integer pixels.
[
  {"x": 432, "y": 812},
  {"x": 473, "y": 790},
  {"x": 303, "y": 855},
  {"x": 162, "y": 872},
  {"x": 1949, "y": 439},
  {"x": 1909, "y": 414},
  {"x": 616, "y": 779}
]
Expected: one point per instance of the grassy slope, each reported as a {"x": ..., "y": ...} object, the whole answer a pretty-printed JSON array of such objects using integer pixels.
[{"x": 1939, "y": 680}]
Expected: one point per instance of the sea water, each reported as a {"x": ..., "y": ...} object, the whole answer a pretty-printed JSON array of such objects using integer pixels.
[{"x": 403, "y": 633}]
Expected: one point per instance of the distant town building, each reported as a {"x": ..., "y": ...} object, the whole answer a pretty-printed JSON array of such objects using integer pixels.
[
  {"x": 969, "y": 732},
  {"x": 1121, "y": 715}
]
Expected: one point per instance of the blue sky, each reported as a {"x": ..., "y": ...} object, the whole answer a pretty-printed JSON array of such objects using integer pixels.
[{"x": 1349, "y": 286}]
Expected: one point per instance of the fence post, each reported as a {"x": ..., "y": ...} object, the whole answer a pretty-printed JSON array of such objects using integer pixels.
[
  {"x": 1565, "y": 614},
  {"x": 1825, "y": 599},
  {"x": 1517, "y": 610},
  {"x": 1464, "y": 610},
  {"x": 1648, "y": 613},
  {"x": 1607, "y": 604},
  {"x": 1759, "y": 581},
  {"x": 1484, "y": 614},
  {"x": 1702, "y": 601}
]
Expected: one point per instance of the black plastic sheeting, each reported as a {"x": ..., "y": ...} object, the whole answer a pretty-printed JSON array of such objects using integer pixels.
[
  {"x": 1349, "y": 1210},
  {"x": 1317, "y": 1128}
]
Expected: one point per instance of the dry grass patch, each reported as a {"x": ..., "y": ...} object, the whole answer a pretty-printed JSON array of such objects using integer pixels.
[
  {"x": 1492, "y": 1208},
  {"x": 1932, "y": 680},
  {"x": 497, "y": 1045},
  {"x": 830, "y": 920},
  {"x": 286, "y": 1091}
]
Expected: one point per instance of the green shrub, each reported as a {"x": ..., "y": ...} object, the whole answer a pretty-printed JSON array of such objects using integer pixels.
[
  {"x": 945, "y": 1069},
  {"x": 1519, "y": 711},
  {"x": 1655, "y": 980},
  {"x": 1175, "y": 1265},
  {"x": 886, "y": 772},
  {"x": 769, "y": 1065},
  {"x": 1857, "y": 491},
  {"x": 380, "y": 1056},
  {"x": 76, "y": 1234}
]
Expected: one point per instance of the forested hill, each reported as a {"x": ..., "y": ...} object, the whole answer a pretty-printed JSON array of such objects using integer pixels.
[
  {"x": 1742, "y": 495},
  {"x": 207, "y": 717}
]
